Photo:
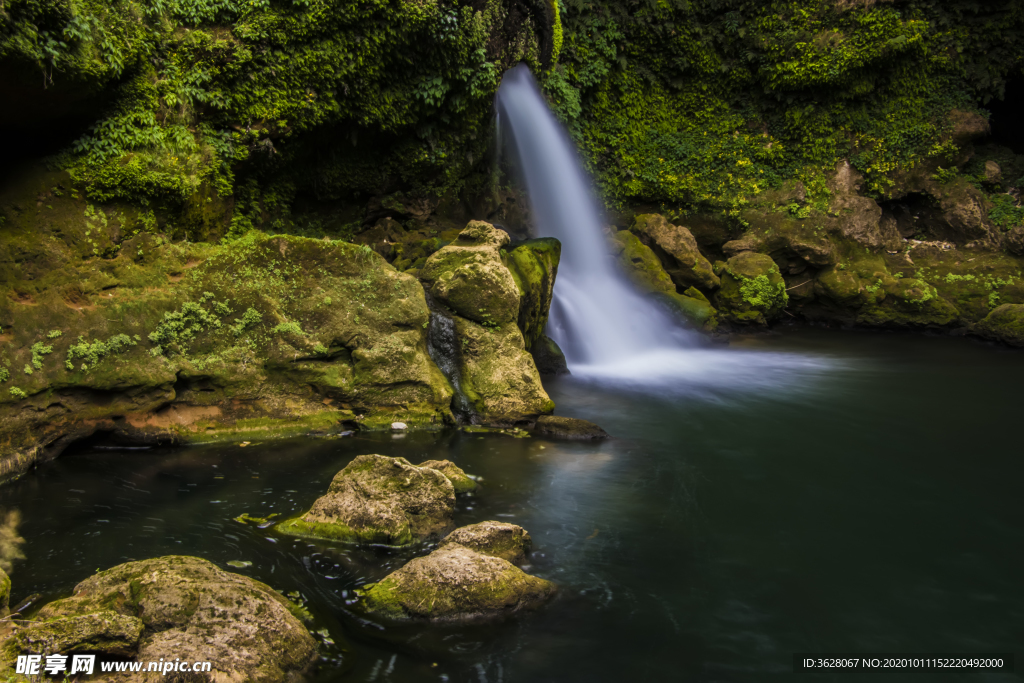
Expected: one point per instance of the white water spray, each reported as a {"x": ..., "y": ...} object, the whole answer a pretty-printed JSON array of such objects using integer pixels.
[{"x": 606, "y": 329}]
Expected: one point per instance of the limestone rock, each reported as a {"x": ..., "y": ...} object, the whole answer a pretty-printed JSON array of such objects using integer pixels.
[
  {"x": 860, "y": 219},
  {"x": 455, "y": 583},
  {"x": 499, "y": 377},
  {"x": 1015, "y": 241},
  {"x": 993, "y": 172},
  {"x": 103, "y": 631},
  {"x": 496, "y": 375},
  {"x": 753, "y": 291},
  {"x": 683, "y": 261},
  {"x": 509, "y": 542},
  {"x": 177, "y": 607},
  {"x": 459, "y": 479},
  {"x": 568, "y": 428},
  {"x": 548, "y": 357},
  {"x": 469, "y": 277},
  {"x": 642, "y": 266},
  {"x": 965, "y": 211},
  {"x": 377, "y": 499},
  {"x": 1005, "y": 323},
  {"x": 534, "y": 266}
]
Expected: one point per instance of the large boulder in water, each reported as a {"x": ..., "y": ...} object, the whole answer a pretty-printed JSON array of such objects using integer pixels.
[
  {"x": 456, "y": 583},
  {"x": 174, "y": 608},
  {"x": 678, "y": 250},
  {"x": 377, "y": 499},
  {"x": 496, "y": 374},
  {"x": 753, "y": 291}
]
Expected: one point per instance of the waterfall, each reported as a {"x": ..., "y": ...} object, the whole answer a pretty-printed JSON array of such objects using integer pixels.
[
  {"x": 606, "y": 328},
  {"x": 597, "y": 318}
]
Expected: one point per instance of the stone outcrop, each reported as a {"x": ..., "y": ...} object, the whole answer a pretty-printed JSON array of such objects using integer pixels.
[
  {"x": 380, "y": 500},
  {"x": 497, "y": 376},
  {"x": 174, "y": 608},
  {"x": 534, "y": 266},
  {"x": 158, "y": 342},
  {"x": 642, "y": 267},
  {"x": 678, "y": 250},
  {"x": 457, "y": 582},
  {"x": 753, "y": 291}
]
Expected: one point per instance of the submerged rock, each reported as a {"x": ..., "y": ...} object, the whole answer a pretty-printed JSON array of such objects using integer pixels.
[
  {"x": 175, "y": 607},
  {"x": 377, "y": 499},
  {"x": 1005, "y": 323},
  {"x": 510, "y": 542},
  {"x": 459, "y": 479},
  {"x": 455, "y": 583},
  {"x": 568, "y": 428}
]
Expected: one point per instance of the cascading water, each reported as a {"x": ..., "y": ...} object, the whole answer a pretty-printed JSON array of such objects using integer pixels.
[{"x": 606, "y": 329}]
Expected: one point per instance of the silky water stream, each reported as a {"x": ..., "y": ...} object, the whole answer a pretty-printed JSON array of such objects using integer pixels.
[{"x": 874, "y": 506}]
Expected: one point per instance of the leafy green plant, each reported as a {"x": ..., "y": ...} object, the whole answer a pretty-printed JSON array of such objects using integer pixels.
[{"x": 93, "y": 352}]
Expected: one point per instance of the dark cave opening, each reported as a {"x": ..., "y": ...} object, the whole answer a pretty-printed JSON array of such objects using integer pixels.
[{"x": 1006, "y": 120}]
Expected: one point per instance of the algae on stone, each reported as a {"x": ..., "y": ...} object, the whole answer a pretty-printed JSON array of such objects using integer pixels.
[
  {"x": 753, "y": 291},
  {"x": 509, "y": 542},
  {"x": 459, "y": 479},
  {"x": 498, "y": 377},
  {"x": 455, "y": 583},
  {"x": 377, "y": 499},
  {"x": 175, "y": 607}
]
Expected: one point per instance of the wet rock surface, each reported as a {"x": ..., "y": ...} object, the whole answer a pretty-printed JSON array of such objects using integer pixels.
[
  {"x": 455, "y": 583},
  {"x": 568, "y": 428},
  {"x": 509, "y": 542},
  {"x": 174, "y": 607},
  {"x": 459, "y": 479},
  {"x": 377, "y": 499}
]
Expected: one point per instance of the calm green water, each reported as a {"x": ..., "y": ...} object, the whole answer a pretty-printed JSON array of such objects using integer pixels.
[{"x": 870, "y": 504}]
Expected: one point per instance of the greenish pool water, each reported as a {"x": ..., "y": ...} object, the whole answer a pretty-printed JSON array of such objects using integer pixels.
[{"x": 869, "y": 502}]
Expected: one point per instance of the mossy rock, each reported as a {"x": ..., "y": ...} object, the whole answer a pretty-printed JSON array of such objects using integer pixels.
[
  {"x": 684, "y": 262},
  {"x": 264, "y": 336},
  {"x": 380, "y": 500},
  {"x": 468, "y": 276},
  {"x": 459, "y": 479},
  {"x": 641, "y": 264},
  {"x": 499, "y": 378},
  {"x": 753, "y": 291},
  {"x": 105, "y": 631},
  {"x": 1005, "y": 323},
  {"x": 568, "y": 428},
  {"x": 643, "y": 268},
  {"x": 178, "y": 607},
  {"x": 534, "y": 266},
  {"x": 548, "y": 358},
  {"x": 5, "y": 592},
  {"x": 455, "y": 583},
  {"x": 509, "y": 542}
]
